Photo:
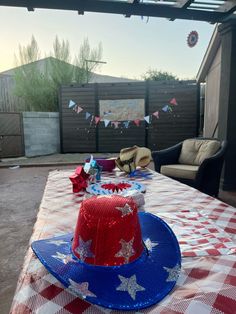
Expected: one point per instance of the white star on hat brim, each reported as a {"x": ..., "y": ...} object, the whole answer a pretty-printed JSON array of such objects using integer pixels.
[
  {"x": 129, "y": 285},
  {"x": 80, "y": 289}
]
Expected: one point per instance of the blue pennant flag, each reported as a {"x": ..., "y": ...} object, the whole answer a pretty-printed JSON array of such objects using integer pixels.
[
  {"x": 71, "y": 104},
  {"x": 126, "y": 124},
  {"x": 87, "y": 115},
  {"x": 165, "y": 108}
]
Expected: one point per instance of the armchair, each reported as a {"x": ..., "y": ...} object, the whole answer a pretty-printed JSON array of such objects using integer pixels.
[{"x": 196, "y": 162}]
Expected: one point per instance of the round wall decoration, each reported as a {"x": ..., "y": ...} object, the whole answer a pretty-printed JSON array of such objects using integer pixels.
[{"x": 192, "y": 39}]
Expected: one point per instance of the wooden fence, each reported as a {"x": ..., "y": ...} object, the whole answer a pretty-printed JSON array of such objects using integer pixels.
[
  {"x": 11, "y": 135},
  {"x": 8, "y": 101},
  {"x": 79, "y": 134}
]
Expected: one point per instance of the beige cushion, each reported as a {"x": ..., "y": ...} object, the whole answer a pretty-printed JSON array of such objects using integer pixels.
[
  {"x": 194, "y": 151},
  {"x": 180, "y": 171}
]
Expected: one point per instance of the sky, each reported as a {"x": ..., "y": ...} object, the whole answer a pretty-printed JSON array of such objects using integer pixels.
[{"x": 131, "y": 46}]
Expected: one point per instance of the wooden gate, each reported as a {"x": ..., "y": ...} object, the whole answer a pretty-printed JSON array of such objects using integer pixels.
[
  {"x": 79, "y": 134},
  {"x": 11, "y": 135}
]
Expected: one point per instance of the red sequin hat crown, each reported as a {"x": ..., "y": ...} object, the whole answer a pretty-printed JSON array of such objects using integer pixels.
[{"x": 108, "y": 231}]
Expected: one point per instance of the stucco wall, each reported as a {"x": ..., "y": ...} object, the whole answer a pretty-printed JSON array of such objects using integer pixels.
[
  {"x": 211, "y": 113},
  {"x": 41, "y": 133}
]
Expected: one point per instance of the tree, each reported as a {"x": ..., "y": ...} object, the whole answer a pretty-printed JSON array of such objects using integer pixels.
[
  {"x": 84, "y": 68},
  {"x": 33, "y": 85},
  {"x": 155, "y": 75},
  {"x": 61, "y": 72},
  {"x": 37, "y": 83}
]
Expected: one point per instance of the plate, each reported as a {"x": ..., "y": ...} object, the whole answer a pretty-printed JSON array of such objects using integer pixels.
[{"x": 115, "y": 187}]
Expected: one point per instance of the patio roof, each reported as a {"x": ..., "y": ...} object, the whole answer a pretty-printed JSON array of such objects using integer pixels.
[{"x": 212, "y": 11}]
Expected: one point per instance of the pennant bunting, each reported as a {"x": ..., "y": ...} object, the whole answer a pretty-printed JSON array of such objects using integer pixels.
[
  {"x": 173, "y": 102},
  {"x": 126, "y": 124},
  {"x": 91, "y": 121},
  {"x": 137, "y": 122},
  {"x": 147, "y": 119},
  {"x": 97, "y": 119},
  {"x": 106, "y": 122},
  {"x": 71, "y": 104},
  {"x": 78, "y": 109},
  {"x": 165, "y": 108},
  {"x": 116, "y": 124},
  {"x": 156, "y": 114},
  {"x": 87, "y": 115}
]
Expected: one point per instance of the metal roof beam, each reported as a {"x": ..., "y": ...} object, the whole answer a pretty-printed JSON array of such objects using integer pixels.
[
  {"x": 119, "y": 7},
  {"x": 132, "y": 1},
  {"x": 182, "y": 4}
]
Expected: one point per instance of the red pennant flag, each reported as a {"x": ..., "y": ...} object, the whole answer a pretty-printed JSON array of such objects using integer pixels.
[
  {"x": 137, "y": 122},
  {"x": 97, "y": 119},
  {"x": 173, "y": 102}
]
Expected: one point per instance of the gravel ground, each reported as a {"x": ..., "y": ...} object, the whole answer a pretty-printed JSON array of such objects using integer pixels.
[{"x": 21, "y": 191}]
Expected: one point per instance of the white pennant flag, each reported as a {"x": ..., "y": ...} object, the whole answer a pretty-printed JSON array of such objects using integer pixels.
[
  {"x": 71, "y": 104},
  {"x": 147, "y": 119},
  {"x": 106, "y": 122}
]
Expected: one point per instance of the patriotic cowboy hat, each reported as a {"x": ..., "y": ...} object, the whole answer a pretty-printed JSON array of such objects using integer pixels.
[
  {"x": 132, "y": 157},
  {"x": 116, "y": 258}
]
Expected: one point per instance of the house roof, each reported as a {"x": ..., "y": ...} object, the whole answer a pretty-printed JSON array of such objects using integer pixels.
[
  {"x": 212, "y": 11},
  {"x": 95, "y": 77},
  {"x": 209, "y": 56}
]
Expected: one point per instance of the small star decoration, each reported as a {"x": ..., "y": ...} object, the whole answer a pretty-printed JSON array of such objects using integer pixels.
[
  {"x": 63, "y": 258},
  {"x": 173, "y": 273},
  {"x": 57, "y": 242},
  {"x": 126, "y": 210},
  {"x": 80, "y": 289},
  {"x": 149, "y": 244},
  {"x": 126, "y": 250},
  {"x": 83, "y": 249},
  {"x": 130, "y": 285}
]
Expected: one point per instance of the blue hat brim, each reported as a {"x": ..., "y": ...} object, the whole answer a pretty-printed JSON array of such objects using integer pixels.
[{"x": 132, "y": 286}]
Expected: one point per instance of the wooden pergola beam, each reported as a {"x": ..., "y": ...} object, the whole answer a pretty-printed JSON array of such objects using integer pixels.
[{"x": 119, "y": 7}]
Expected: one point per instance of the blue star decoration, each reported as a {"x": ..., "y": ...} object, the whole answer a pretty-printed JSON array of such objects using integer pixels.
[
  {"x": 129, "y": 285},
  {"x": 80, "y": 289},
  {"x": 173, "y": 273},
  {"x": 126, "y": 250},
  {"x": 83, "y": 249}
]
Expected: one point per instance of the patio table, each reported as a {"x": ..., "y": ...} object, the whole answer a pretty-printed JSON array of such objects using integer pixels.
[{"x": 205, "y": 228}]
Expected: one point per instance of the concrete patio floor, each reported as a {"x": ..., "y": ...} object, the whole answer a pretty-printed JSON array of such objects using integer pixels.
[
  {"x": 21, "y": 190},
  {"x": 51, "y": 160}
]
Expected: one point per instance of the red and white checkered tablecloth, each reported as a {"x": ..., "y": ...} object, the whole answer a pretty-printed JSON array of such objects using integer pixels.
[{"x": 204, "y": 226}]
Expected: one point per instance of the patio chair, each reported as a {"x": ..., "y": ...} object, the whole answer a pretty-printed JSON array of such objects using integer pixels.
[{"x": 196, "y": 162}]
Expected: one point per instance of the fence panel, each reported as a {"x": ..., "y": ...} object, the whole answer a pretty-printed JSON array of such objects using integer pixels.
[
  {"x": 177, "y": 125},
  {"x": 11, "y": 135},
  {"x": 79, "y": 134}
]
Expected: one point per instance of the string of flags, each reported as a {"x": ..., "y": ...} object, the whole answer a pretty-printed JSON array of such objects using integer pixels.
[{"x": 168, "y": 108}]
